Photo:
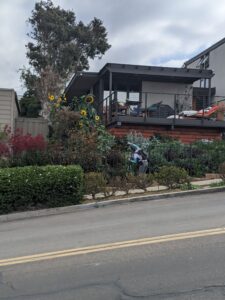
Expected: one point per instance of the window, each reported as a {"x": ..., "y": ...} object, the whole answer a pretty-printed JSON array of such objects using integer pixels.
[
  {"x": 134, "y": 96},
  {"x": 203, "y": 62}
]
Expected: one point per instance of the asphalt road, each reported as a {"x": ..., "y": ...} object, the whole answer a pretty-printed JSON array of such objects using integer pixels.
[{"x": 191, "y": 268}]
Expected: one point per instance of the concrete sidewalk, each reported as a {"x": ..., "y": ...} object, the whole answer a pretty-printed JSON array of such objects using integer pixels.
[{"x": 203, "y": 189}]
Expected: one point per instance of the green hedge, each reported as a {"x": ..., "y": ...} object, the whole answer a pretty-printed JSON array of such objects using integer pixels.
[{"x": 33, "y": 187}]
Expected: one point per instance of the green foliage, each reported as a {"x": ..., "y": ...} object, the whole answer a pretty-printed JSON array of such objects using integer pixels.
[
  {"x": 105, "y": 140},
  {"x": 60, "y": 47},
  {"x": 121, "y": 183},
  {"x": 94, "y": 183},
  {"x": 29, "y": 106},
  {"x": 79, "y": 134},
  {"x": 82, "y": 149},
  {"x": 138, "y": 139},
  {"x": 218, "y": 184},
  {"x": 188, "y": 186},
  {"x": 116, "y": 164},
  {"x": 141, "y": 181},
  {"x": 63, "y": 123},
  {"x": 29, "y": 188},
  {"x": 197, "y": 159},
  {"x": 171, "y": 176}
]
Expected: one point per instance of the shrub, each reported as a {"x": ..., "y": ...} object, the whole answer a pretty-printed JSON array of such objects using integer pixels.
[
  {"x": 83, "y": 150},
  {"x": 143, "y": 181},
  {"x": 30, "y": 107},
  {"x": 63, "y": 122},
  {"x": 94, "y": 183},
  {"x": 17, "y": 149},
  {"x": 116, "y": 164},
  {"x": 25, "y": 188},
  {"x": 118, "y": 183},
  {"x": 171, "y": 176}
]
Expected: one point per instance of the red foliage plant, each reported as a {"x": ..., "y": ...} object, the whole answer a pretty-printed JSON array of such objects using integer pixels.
[
  {"x": 4, "y": 150},
  {"x": 17, "y": 143},
  {"x": 25, "y": 143}
]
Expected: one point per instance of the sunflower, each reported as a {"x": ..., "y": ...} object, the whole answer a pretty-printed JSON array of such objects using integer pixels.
[
  {"x": 89, "y": 99},
  {"x": 83, "y": 113},
  {"x": 51, "y": 97},
  {"x": 97, "y": 118}
]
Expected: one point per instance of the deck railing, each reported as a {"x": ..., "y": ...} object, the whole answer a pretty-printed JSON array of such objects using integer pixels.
[{"x": 157, "y": 105}]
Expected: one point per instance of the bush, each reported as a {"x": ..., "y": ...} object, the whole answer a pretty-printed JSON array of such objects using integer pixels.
[
  {"x": 116, "y": 164},
  {"x": 30, "y": 106},
  {"x": 94, "y": 183},
  {"x": 25, "y": 188},
  {"x": 171, "y": 176},
  {"x": 141, "y": 181},
  {"x": 118, "y": 183}
]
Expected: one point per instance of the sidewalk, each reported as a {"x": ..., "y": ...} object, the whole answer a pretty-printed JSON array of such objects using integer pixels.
[
  {"x": 203, "y": 189},
  {"x": 158, "y": 188}
]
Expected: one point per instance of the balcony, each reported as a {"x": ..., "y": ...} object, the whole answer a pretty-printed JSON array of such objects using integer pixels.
[{"x": 166, "y": 109}]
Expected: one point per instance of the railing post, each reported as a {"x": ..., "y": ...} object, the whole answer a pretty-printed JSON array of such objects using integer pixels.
[
  {"x": 146, "y": 108},
  {"x": 107, "y": 113},
  {"x": 116, "y": 103},
  {"x": 175, "y": 110},
  {"x": 110, "y": 93}
]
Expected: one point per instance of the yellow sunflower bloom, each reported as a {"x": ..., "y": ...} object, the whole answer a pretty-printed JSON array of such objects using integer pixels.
[
  {"x": 51, "y": 97},
  {"x": 97, "y": 118},
  {"x": 89, "y": 99},
  {"x": 83, "y": 113}
]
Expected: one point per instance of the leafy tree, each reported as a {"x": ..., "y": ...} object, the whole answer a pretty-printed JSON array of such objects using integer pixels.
[
  {"x": 60, "y": 47},
  {"x": 29, "y": 105}
]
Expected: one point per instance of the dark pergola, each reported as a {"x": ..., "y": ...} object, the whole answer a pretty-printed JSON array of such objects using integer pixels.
[{"x": 113, "y": 77}]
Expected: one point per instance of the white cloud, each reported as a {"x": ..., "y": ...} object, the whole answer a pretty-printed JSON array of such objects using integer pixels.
[{"x": 141, "y": 32}]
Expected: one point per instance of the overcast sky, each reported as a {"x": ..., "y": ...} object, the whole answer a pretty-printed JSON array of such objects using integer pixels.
[{"x": 147, "y": 32}]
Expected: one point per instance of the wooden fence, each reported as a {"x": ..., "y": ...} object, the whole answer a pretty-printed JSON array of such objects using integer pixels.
[{"x": 33, "y": 126}]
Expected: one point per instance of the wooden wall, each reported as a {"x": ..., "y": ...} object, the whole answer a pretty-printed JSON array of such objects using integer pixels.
[{"x": 33, "y": 126}]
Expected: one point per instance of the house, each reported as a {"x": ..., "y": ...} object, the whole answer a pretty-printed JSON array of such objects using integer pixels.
[
  {"x": 9, "y": 108},
  {"x": 212, "y": 58},
  {"x": 149, "y": 99}
]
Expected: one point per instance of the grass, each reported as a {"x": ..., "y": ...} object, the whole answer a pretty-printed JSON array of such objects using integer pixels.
[{"x": 217, "y": 184}]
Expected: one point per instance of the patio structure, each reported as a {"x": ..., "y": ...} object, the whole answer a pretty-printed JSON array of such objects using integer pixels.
[{"x": 151, "y": 100}]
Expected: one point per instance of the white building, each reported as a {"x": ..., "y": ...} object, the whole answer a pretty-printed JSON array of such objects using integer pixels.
[
  {"x": 9, "y": 108},
  {"x": 212, "y": 58}
]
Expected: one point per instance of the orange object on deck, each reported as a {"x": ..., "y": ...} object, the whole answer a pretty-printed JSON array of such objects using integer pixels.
[{"x": 207, "y": 112}]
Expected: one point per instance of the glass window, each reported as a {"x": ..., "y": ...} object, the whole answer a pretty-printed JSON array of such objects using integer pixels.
[
  {"x": 122, "y": 96},
  {"x": 134, "y": 96}
]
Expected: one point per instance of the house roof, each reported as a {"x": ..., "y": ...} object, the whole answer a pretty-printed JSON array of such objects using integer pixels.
[
  {"x": 214, "y": 46},
  {"x": 82, "y": 82},
  {"x": 157, "y": 72}
]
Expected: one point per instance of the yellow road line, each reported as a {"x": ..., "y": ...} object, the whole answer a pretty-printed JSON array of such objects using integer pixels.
[{"x": 111, "y": 246}]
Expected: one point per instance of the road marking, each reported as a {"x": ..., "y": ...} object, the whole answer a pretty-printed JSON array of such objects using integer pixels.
[{"x": 111, "y": 246}]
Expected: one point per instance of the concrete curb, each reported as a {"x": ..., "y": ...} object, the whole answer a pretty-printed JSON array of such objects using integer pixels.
[{"x": 80, "y": 207}]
